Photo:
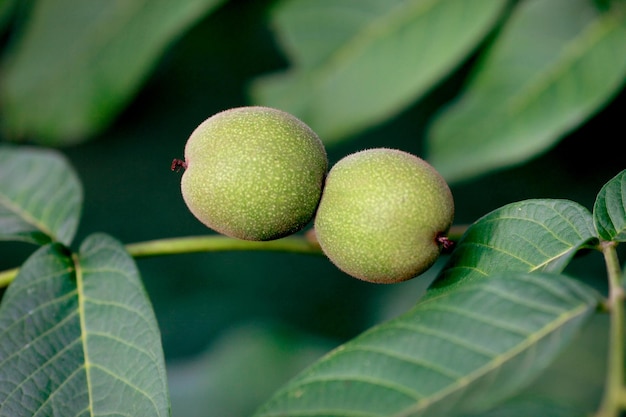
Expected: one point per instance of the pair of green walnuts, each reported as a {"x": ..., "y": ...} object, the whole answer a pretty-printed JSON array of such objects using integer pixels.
[{"x": 258, "y": 173}]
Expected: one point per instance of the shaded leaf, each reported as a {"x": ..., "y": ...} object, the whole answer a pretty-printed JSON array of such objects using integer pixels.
[
  {"x": 533, "y": 407},
  {"x": 356, "y": 63},
  {"x": 6, "y": 11},
  {"x": 78, "y": 337},
  {"x": 573, "y": 384},
  {"x": 527, "y": 236},
  {"x": 609, "y": 211},
  {"x": 40, "y": 196},
  {"x": 267, "y": 355},
  {"x": 457, "y": 352},
  {"x": 77, "y": 64},
  {"x": 552, "y": 67}
]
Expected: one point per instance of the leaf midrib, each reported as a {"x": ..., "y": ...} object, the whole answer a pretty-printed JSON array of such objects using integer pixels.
[
  {"x": 80, "y": 289},
  {"x": 86, "y": 49},
  {"x": 396, "y": 17},
  {"x": 27, "y": 217},
  {"x": 83, "y": 299},
  {"x": 573, "y": 52},
  {"x": 498, "y": 360}
]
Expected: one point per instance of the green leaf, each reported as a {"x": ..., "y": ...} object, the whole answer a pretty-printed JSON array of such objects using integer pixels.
[
  {"x": 78, "y": 337},
  {"x": 527, "y": 236},
  {"x": 457, "y": 352},
  {"x": 77, "y": 63},
  {"x": 533, "y": 407},
  {"x": 573, "y": 384},
  {"x": 356, "y": 63},
  {"x": 40, "y": 196},
  {"x": 552, "y": 67},
  {"x": 609, "y": 211}
]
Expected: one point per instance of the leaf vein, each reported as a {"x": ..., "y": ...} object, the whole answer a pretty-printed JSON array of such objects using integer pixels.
[{"x": 127, "y": 383}]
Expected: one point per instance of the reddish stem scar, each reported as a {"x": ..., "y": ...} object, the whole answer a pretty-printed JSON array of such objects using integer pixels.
[
  {"x": 177, "y": 164},
  {"x": 447, "y": 245}
]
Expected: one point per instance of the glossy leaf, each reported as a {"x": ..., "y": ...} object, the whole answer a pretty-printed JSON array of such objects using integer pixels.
[
  {"x": 78, "y": 337},
  {"x": 76, "y": 64},
  {"x": 554, "y": 64},
  {"x": 40, "y": 196},
  {"x": 454, "y": 353},
  {"x": 527, "y": 236},
  {"x": 355, "y": 63},
  {"x": 609, "y": 211}
]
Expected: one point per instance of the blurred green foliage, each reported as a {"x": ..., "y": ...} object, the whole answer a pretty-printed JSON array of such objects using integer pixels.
[{"x": 147, "y": 96}]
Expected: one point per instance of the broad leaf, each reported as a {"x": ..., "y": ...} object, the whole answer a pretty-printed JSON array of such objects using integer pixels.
[
  {"x": 77, "y": 63},
  {"x": 40, "y": 196},
  {"x": 572, "y": 386},
  {"x": 527, "y": 236},
  {"x": 609, "y": 211},
  {"x": 78, "y": 337},
  {"x": 456, "y": 352},
  {"x": 355, "y": 63},
  {"x": 554, "y": 65}
]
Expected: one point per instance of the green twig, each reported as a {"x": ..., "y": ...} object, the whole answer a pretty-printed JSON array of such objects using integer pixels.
[
  {"x": 7, "y": 276},
  {"x": 622, "y": 398},
  {"x": 210, "y": 243},
  {"x": 614, "y": 395},
  {"x": 217, "y": 243}
]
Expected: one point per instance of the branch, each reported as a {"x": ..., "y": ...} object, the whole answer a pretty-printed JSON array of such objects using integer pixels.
[
  {"x": 218, "y": 243},
  {"x": 211, "y": 243}
]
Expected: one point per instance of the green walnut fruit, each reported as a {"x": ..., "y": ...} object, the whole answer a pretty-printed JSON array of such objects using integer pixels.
[
  {"x": 254, "y": 173},
  {"x": 383, "y": 215}
]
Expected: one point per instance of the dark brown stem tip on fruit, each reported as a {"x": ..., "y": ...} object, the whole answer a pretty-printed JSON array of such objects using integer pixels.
[
  {"x": 177, "y": 164},
  {"x": 447, "y": 245}
]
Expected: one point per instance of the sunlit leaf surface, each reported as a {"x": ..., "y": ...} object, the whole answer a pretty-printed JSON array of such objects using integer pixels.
[
  {"x": 554, "y": 64},
  {"x": 355, "y": 63},
  {"x": 609, "y": 212},
  {"x": 78, "y": 337},
  {"x": 40, "y": 196},
  {"x": 527, "y": 236}
]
